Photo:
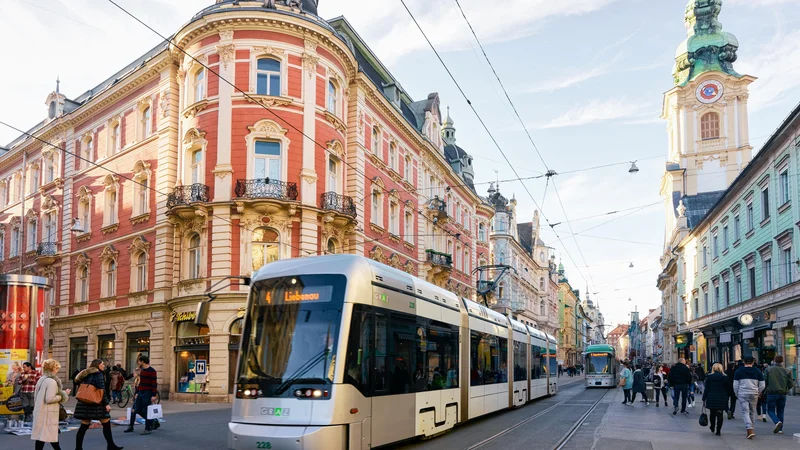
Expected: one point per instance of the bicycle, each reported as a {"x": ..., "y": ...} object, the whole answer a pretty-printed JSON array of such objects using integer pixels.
[{"x": 125, "y": 396}]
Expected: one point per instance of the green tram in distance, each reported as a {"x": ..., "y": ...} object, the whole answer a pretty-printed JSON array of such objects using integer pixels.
[{"x": 601, "y": 366}]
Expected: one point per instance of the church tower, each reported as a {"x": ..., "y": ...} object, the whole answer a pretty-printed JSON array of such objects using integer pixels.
[{"x": 706, "y": 114}]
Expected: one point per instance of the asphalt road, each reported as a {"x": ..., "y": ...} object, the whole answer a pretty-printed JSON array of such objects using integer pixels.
[{"x": 208, "y": 429}]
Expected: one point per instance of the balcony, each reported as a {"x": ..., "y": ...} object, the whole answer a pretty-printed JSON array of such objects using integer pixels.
[
  {"x": 439, "y": 266},
  {"x": 186, "y": 195},
  {"x": 265, "y": 196},
  {"x": 183, "y": 199},
  {"x": 436, "y": 210},
  {"x": 341, "y": 204},
  {"x": 46, "y": 253}
]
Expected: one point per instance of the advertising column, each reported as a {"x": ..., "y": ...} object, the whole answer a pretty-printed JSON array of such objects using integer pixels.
[{"x": 22, "y": 322}]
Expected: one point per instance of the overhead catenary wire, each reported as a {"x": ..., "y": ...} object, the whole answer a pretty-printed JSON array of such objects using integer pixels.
[
  {"x": 486, "y": 128},
  {"x": 268, "y": 109}
]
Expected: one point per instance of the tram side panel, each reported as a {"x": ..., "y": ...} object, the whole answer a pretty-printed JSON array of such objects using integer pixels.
[{"x": 488, "y": 389}]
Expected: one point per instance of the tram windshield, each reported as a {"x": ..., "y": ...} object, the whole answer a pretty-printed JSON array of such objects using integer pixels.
[
  {"x": 599, "y": 363},
  {"x": 290, "y": 334}
]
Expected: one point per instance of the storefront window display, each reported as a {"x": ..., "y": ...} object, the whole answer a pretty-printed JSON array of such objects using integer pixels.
[
  {"x": 192, "y": 344},
  {"x": 78, "y": 354},
  {"x": 790, "y": 350},
  {"x": 138, "y": 345},
  {"x": 105, "y": 348}
]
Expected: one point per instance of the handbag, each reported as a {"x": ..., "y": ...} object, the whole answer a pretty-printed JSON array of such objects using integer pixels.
[
  {"x": 89, "y": 394},
  {"x": 62, "y": 413},
  {"x": 703, "y": 417},
  {"x": 14, "y": 403}
]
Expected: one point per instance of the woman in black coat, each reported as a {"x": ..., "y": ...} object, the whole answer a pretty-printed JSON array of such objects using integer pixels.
[
  {"x": 639, "y": 385},
  {"x": 716, "y": 395},
  {"x": 87, "y": 412}
]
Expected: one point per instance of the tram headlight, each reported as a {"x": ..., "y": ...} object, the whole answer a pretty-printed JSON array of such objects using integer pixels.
[
  {"x": 247, "y": 391},
  {"x": 317, "y": 393}
]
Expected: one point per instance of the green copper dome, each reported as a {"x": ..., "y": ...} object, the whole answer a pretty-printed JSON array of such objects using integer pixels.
[{"x": 707, "y": 48}]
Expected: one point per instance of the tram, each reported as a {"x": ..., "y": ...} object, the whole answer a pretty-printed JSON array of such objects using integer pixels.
[
  {"x": 601, "y": 366},
  {"x": 342, "y": 352}
]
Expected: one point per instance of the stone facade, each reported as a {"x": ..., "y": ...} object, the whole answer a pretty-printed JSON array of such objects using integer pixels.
[{"x": 271, "y": 137}]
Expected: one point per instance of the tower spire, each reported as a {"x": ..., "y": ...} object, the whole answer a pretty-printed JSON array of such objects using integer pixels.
[
  {"x": 707, "y": 48},
  {"x": 449, "y": 130},
  {"x": 58, "y": 84}
]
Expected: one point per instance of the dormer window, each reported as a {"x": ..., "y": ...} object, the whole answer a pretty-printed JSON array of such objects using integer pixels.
[{"x": 51, "y": 112}]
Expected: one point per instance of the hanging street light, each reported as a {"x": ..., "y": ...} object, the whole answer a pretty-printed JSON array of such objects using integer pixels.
[{"x": 633, "y": 168}]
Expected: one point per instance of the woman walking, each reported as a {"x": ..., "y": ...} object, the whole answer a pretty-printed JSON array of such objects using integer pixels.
[
  {"x": 639, "y": 386},
  {"x": 626, "y": 381},
  {"x": 660, "y": 385},
  {"x": 87, "y": 412},
  {"x": 732, "y": 395},
  {"x": 48, "y": 398},
  {"x": 715, "y": 396}
]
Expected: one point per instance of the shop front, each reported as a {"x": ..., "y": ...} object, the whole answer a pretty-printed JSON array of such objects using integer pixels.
[
  {"x": 701, "y": 352},
  {"x": 191, "y": 345},
  {"x": 786, "y": 329},
  {"x": 683, "y": 346}
]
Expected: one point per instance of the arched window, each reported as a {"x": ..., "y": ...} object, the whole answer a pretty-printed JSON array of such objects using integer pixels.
[
  {"x": 141, "y": 272},
  {"x": 141, "y": 188},
  {"x": 33, "y": 229},
  {"x": 110, "y": 279},
  {"x": 147, "y": 123},
  {"x": 15, "y": 243},
  {"x": 332, "y": 93},
  {"x": 501, "y": 259},
  {"x": 196, "y": 166},
  {"x": 501, "y": 290},
  {"x": 193, "y": 260},
  {"x": 83, "y": 285},
  {"x": 268, "y": 77},
  {"x": 482, "y": 232},
  {"x": 376, "y": 141},
  {"x": 332, "y": 247},
  {"x": 265, "y": 247},
  {"x": 88, "y": 153},
  {"x": 377, "y": 208},
  {"x": 333, "y": 174},
  {"x": 49, "y": 168},
  {"x": 709, "y": 125},
  {"x": 199, "y": 85},
  {"x": 110, "y": 210},
  {"x": 407, "y": 168}
]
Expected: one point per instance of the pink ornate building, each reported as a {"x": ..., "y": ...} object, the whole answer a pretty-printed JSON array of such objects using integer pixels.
[{"x": 275, "y": 135}]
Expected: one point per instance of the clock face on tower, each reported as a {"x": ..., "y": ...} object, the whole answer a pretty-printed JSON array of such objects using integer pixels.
[{"x": 709, "y": 91}]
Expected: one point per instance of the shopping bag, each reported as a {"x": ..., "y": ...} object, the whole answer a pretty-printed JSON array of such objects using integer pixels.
[
  {"x": 154, "y": 412},
  {"x": 14, "y": 403}
]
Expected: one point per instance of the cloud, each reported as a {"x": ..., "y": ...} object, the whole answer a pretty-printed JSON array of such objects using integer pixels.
[
  {"x": 392, "y": 34},
  {"x": 599, "y": 111},
  {"x": 776, "y": 65}
]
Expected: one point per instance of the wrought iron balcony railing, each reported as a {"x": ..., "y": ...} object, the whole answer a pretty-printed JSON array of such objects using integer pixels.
[
  {"x": 266, "y": 188},
  {"x": 185, "y": 195},
  {"x": 47, "y": 249},
  {"x": 440, "y": 259},
  {"x": 331, "y": 201}
]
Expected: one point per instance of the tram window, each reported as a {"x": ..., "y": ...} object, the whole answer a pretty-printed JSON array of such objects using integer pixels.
[
  {"x": 359, "y": 361},
  {"x": 520, "y": 361},
  {"x": 395, "y": 355},
  {"x": 536, "y": 362},
  {"x": 488, "y": 357},
  {"x": 438, "y": 353}
]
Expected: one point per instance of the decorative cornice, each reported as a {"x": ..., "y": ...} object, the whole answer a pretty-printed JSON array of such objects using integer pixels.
[
  {"x": 141, "y": 218},
  {"x": 110, "y": 228}
]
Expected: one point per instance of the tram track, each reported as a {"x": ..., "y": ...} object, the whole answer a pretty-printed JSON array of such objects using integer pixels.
[{"x": 574, "y": 429}]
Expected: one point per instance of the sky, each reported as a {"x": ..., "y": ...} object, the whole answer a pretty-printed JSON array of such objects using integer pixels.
[{"x": 586, "y": 76}]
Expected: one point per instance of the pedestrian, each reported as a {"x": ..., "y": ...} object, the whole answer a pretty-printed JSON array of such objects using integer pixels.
[
  {"x": 779, "y": 383},
  {"x": 27, "y": 388},
  {"x": 639, "y": 386},
  {"x": 701, "y": 378},
  {"x": 732, "y": 400},
  {"x": 86, "y": 412},
  {"x": 692, "y": 386},
  {"x": 761, "y": 405},
  {"x": 660, "y": 385},
  {"x": 626, "y": 381},
  {"x": 679, "y": 379},
  {"x": 560, "y": 370},
  {"x": 48, "y": 398},
  {"x": 117, "y": 382},
  {"x": 715, "y": 396},
  {"x": 748, "y": 382},
  {"x": 146, "y": 388}
]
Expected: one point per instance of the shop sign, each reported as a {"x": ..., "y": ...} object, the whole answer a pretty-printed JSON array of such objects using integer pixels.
[
  {"x": 779, "y": 325},
  {"x": 187, "y": 316},
  {"x": 725, "y": 337},
  {"x": 681, "y": 340}
]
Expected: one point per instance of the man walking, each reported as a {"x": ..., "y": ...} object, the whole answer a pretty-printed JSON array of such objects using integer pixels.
[
  {"x": 147, "y": 388},
  {"x": 27, "y": 382},
  {"x": 748, "y": 382},
  {"x": 701, "y": 378},
  {"x": 679, "y": 378},
  {"x": 779, "y": 382}
]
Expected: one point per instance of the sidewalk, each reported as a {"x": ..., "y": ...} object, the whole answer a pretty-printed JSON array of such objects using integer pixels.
[
  {"x": 647, "y": 427},
  {"x": 169, "y": 407}
]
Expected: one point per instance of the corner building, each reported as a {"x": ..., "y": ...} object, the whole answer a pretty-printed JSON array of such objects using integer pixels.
[{"x": 262, "y": 133}]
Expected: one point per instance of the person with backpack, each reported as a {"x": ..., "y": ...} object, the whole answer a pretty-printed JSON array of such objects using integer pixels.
[
  {"x": 660, "y": 385},
  {"x": 779, "y": 383}
]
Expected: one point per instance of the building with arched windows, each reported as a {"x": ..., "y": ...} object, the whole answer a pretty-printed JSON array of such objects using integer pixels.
[{"x": 263, "y": 132}]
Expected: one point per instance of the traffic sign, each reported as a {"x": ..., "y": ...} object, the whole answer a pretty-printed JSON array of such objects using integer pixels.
[{"x": 200, "y": 367}]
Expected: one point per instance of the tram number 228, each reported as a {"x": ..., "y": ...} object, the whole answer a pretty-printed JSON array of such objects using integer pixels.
[{"x": 263, "y": 445}]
